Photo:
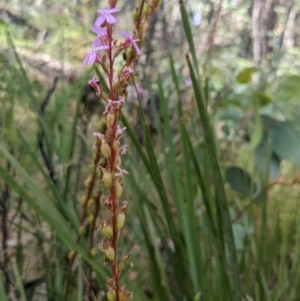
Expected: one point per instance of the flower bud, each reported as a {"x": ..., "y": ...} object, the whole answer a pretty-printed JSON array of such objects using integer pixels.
[
  {"x": 135, "y": 15},
  {"x": 81, "y": 230},
  {"x": 146, "y": 9},
  {"x": 107, "y": 231},
  {"x": 118, "y": 161},
  {"x": 111, "y": 295},
  {"x": 110, "y": 119},
  {"x": 116, "y": 145},
  {"x": 90, "y": 203},
  {"x": 109, "y": 253},
  {"x": 98, "y": 173},
  {"x": 92, "y": 166},
  {"x": 90, "y": 219},
  {"x": 103, "y": 58},
  {"x": 105, "y": 150},
  {"x": 82, "y": 201},
  {"x": 93, "y": 252},
  {"x": 120, "y": 220},
  {"x": 104, "y": 67},
  {"x": 71, "y": 254},
  {"x": 87, "y": 182},
  {"x": 107, "y": 179},
  {"x": 119, "y": 189}
]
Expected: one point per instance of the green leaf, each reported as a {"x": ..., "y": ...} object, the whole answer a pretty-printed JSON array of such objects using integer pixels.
[
  {"x": 263, "y": 99},
  {"x": 188, "y": 34},
  {"x": 19, "y": 282},
  {"x": 240, "y": 181},
  {"x": 285, "y": 139},
  {"x": 245, "y": 76},
  {"x": 290, "y": 88}
]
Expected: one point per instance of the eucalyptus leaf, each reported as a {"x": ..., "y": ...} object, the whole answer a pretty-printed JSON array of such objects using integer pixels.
[
  {"x": 245, "y": 76},
  {"x": 240, "y": 181}
]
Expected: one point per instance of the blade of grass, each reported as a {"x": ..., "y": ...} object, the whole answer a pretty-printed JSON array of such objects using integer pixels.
[
  {"x": 61, "y": 204},
  {"x": 3, "y": 295},
  {"x": 72, "y": 148},
  {"x": 218, "y": 182},
  {"x": 80, "y": 284},
  {"x": 156, "y": 175},
  {"x": 19, "y": 282},
  {"x": 45, "y": 209},
  {"x": 188, "y": 34},
  {"x": 34, "y": 103},
  {"x": 184, "y": 203},
  {"x": 180, "y": 256}
]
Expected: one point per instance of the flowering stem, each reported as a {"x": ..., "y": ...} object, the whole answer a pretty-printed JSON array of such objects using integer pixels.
[{"x": 109, "y": 141}]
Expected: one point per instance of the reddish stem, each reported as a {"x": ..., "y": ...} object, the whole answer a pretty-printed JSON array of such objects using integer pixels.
[{"x": 111, "y": 161}]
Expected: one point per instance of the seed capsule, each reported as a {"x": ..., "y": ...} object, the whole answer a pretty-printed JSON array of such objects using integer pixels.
[
  {"x": 119, "y": 189},
  {"x": 110, "y": 119},
  {"x": 83, "y": 201},
  {"x": 120, "y": 220},
  {"x": 146, "y": 9},
  {"x": 105, "y": 150},
  {"x": 93, "y": 252},
  {"x": 118, "y": 161},
  {"x": 111, "y": 295},
  {"x": 135, "y": 15},
  {"x": 116, "y": 145},
  {"x": 71, "y": 254},
  {"x": 107, "y": 231},
  {"x": 81, "y": 230},
  {"x": 87, "y": 182},
  {"x": 90, "y": 219},
  {"x": 109, "y": 253},
  {"x": 107, "y": 179},
  {"x": 90, "y": 203}
]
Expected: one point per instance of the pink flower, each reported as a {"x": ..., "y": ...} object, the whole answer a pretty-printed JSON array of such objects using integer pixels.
[
  {"x": 119, "y": 132},
  {"x": 127, "y": 72},
  {"x": 101, "y": 36},
  {"x": 94, "y": 82},
  {"x": 92, "y": 55},
  {"x": 106, "y": 15},
  {"x": 130, "y": 41}
]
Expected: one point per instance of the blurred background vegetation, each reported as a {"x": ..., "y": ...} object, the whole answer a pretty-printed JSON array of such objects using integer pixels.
[{"x": 214, "y": 179}]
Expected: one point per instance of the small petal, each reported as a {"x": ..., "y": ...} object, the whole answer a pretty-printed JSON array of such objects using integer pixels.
[
  {"x": 108, "y": 11},
  {"x": 92, "y": 58},
  {"x": 125, "y": 35},
  {"x": 96, "y": 30},
  {"x": 96, "y": 43},
  {"x": 102, "y": 47},
  {"x": 110, "y": 19},
  {"x": 100, "y": 21},
  {"x": 136, "y": 47},
  {"x": 85, "y": 59}
]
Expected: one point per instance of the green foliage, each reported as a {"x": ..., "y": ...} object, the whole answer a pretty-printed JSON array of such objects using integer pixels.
[{"x": 245, "y": 76}]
